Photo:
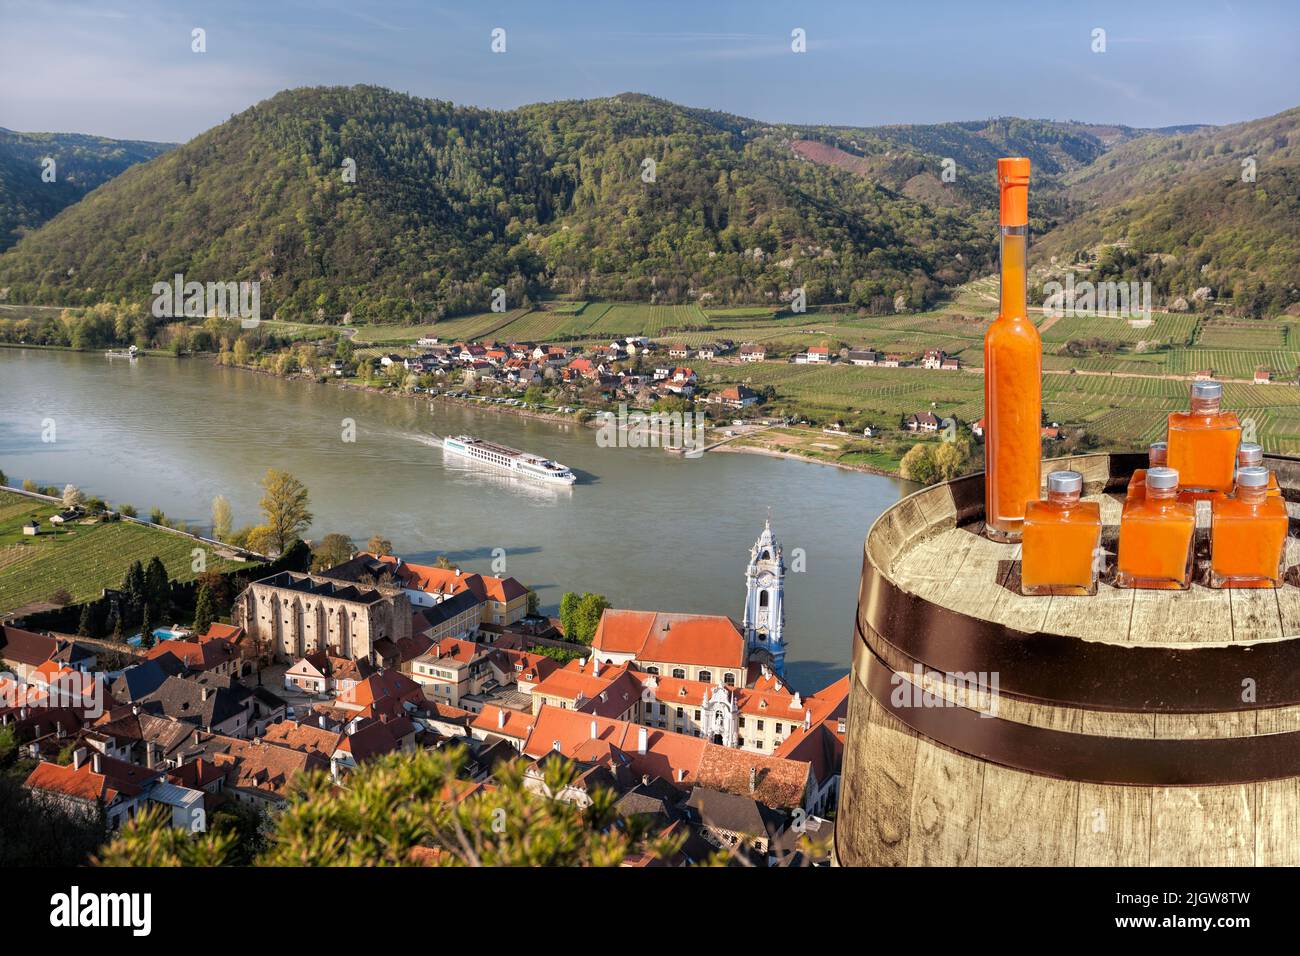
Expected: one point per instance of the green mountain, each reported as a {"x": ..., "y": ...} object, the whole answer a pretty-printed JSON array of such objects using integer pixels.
[
  {"x": 632, "y": 197},
  {"x": 451, "y": 202},
  {"x": 1183, "y": 212},
  {"x": 81, "y": 163}
]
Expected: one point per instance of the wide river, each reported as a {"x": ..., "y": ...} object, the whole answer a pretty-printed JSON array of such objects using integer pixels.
[{"x": 647, "y": 529}]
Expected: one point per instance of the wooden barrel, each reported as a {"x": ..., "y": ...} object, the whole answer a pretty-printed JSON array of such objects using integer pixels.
[{"x": 1131, "y": 728}]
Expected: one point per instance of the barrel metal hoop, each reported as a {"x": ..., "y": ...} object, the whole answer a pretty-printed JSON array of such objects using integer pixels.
[{"x": 1087, "y": 758}]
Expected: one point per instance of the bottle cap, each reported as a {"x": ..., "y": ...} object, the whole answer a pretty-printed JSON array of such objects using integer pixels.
[
  {"x": 1013, "y": 189},
  {"x": 1158, "y": 453},
  {"x": 1162, "y": 478},
  {"x": 1065, "y": 482},
  {"x": 1248, "y": 453},
  {"x": 1252, "y": 477},
  {"x": 1208, "y": 390}
]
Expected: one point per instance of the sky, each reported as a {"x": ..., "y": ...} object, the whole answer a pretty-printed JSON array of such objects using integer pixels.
[{"x": 126, "y": 68}]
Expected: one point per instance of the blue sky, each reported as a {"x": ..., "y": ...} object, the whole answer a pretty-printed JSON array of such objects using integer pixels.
[{"x": 124, "y": 68}]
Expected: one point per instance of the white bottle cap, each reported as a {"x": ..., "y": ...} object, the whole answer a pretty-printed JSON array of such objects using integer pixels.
[
  {"x": 1252, "y": 477},
  {"x": 1065, "y": 482},
  {"x": 1207, "y": 390},
  {"x": 1248, "y": 453},
  {"x": 1162, "y": 478}
]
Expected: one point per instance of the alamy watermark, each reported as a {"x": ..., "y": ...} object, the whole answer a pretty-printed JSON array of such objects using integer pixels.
[
  {"x": 194, "y": 300},
  {"x": 675, "y": 431},
  {"x": 976, "y": 690}
]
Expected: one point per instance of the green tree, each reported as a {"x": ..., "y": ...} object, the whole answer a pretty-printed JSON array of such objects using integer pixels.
[
  {"x": 949, "y": 458},
  {"x": 918, "y": 465},
  {"x": 569, "y": 613},
  {"x": 285, "y": 505},
  {"x": 333, "y": 549},
  {"x": 205, "y": 609},
  {"x": 221, "y": 519},
  {"x": 147, "y": 639},
  {"x": 133, "y": 587},
  {"x": 157, "y": 586},
  {"x": 88, "y": 625},
  {"x": 379, "y": 545}
]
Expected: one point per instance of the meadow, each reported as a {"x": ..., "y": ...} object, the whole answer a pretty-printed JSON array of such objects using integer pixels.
[{"x": 83, "y": 558}]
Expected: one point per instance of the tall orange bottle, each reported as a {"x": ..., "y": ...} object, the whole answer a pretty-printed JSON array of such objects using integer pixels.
[{"x": 1013, "y": 372}]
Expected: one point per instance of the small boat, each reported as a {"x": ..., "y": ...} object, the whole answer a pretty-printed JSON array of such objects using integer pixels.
[{"x": 128, "y": 353}]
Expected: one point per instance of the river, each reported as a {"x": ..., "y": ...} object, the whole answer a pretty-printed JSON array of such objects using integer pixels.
[{"x": 647, "y": 529}]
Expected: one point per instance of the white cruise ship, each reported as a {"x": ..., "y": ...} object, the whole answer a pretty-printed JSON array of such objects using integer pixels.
[{"x": 509, "y": 459}]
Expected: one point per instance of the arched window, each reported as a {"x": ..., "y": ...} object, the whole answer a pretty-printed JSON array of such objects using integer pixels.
[
  {"x": 679, "y": 673},
  {"x": 729, "y": 679},
  {"x": 706, "y": 676},
  {"x": 763, "y": 598}
]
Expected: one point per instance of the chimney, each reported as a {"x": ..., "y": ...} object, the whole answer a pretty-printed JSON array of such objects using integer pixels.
[
  {"x": 322, "y": 723},
  {"x": 681, "y": 774},
  {"x": 78, "y": 758},
  {"x": 501, "y": 718},
  {"x": 97, "y": 763},
  {"x": 36, "y": 731},
  {"x": 595, "y": 666},
  {"x": 58, "y": 729},
  {"x": 640, "y": 740},
  {"x": 839, "y": 726},
  {"x": 196, "y": 738},
  {"x": 150, "y": 754},
  {"x": 594, "y": 733},
  {"x": 555, "y": 745},
  {"x": 207, "y": 692},
  {"x": 807, "y": 719},
  {"x": 135, "y": 710},
  {"x": 753, "y": 779}
]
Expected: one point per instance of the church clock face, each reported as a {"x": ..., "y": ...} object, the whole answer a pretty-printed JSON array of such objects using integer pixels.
[{"x": 765, "y": 579}]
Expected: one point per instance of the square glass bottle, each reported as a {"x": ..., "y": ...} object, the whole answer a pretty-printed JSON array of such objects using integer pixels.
[
  {"x": 1203, "y": 442},
  {"x": 1248, "y": 533},
  {"x": 1062, "y": 535},
  {"x": 1251, "y": 455},
  {"x": 1157, "y": 457},
  {"x": 1156, "y": 535}
]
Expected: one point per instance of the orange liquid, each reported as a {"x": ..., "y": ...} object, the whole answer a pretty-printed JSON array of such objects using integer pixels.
[
  {"x": 1013, "y": 401},
  {"x": 1246, "y": 543},
  {"x": 1155, "y": 544},
  {"x": 1059, "y": 546},
  {"x": 1137, "y": 486},
  {"x": 1203, "y": 449}
]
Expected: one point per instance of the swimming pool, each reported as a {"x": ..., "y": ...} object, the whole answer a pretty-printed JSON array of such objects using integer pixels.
[{"x": 159, "y": 634}]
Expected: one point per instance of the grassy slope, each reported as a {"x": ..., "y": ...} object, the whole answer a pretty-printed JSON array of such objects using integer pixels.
[{"x": 84, "y": 559}]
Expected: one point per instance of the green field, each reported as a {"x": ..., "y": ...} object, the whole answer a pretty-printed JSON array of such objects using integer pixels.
[
  {"x": 83, "y": 559},
  {"x": 1173, "y": 330}
]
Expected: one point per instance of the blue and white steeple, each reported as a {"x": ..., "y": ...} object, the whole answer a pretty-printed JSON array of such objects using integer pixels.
[{"x": 764, "y": 622}]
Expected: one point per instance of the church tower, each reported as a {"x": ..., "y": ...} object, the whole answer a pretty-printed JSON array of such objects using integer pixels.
[{"x": 764, "y": 623}]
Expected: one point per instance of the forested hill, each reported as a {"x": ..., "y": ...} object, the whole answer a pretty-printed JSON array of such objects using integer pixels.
[
  {"x": 80, "y": 164},
  {"x": 629, "y": 197},
  {"x": 1214, "y": 209},
  {"x": 450, "y": 202}
]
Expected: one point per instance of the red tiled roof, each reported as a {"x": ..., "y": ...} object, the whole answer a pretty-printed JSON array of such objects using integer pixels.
[
  {"x": 114, "y": 777},
  {"x": 695, "y": 639}
]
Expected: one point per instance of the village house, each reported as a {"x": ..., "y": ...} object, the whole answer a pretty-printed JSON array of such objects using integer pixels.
[
  {"x": 922, "y": 422},
  {"x": 322, "y": 673},
  {"x": 734, "y": 396},
  {"x": 753, "y": 353},
  {"x": 93, "y": 783},
  {"x": 1263, "y": 376},
  {"x": 497, "y": 600},
  {"x": 703, "y": 647},
  {"x": 679, "y": 351},
  {"x": 585, "y": 686},
  {"x": 865, "y": 356},
  {"x": 819, "y": 354}
]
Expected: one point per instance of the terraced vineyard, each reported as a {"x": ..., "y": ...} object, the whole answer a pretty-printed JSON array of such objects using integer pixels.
[
  {"x": 84, "y": 559},
  {"x": 1241, "y": 334},
  {"x": 1234, "y": 363},
  {"x": 1174, "y": 330}
]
